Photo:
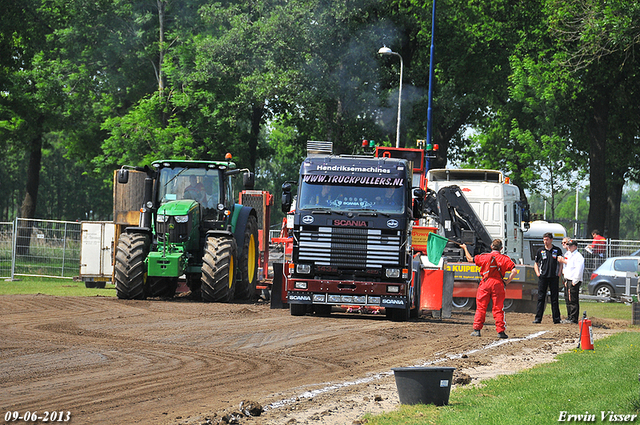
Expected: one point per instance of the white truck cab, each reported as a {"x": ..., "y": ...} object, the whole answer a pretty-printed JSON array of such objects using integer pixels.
[{"x": 495, "y": 201}]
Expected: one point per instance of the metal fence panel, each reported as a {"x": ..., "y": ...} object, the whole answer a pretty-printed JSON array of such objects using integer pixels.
[
  {"x": 6, "y": 248},
  {"x": 46, "y": 248},
  {"x": 613, "y": 248}
]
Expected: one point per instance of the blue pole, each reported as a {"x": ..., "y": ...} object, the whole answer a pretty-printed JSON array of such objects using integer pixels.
[{"x": 431, "y": 54}]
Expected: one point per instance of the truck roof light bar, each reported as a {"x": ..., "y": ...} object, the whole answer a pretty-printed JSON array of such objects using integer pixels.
[{"x": 319, "y": 148}]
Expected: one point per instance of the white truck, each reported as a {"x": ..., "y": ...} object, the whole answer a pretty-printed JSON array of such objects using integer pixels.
[
  {"x": 496, "y": 202},
  {"x": 502, "y": 215}
]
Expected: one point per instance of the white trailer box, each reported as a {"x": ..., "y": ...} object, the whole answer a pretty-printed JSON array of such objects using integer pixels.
[
  {"x": 533, "y": 238},
  {"x": 96, "y": 253}
]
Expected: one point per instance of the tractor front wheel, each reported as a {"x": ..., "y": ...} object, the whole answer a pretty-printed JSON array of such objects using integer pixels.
[
  {"x": 218, "y": 270},
  {"x": 130, "y": 269},
  {"x": 248, "y": 267}
]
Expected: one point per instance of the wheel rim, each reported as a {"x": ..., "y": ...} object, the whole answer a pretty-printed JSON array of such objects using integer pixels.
[
  {"x": 461, "y": 302},
  {"x": 603, "y": 291},
  {"x": 232, "y": 267},
  {"x": 251, "y": 258},
  {"x": 508, "y": 304}
]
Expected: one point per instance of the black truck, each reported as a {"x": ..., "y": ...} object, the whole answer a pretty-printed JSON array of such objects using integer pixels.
[{"x": 351, "y": 227}]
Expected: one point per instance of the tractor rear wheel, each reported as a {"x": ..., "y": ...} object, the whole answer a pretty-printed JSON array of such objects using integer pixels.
[
  {"x": 248, "y": 267},
  {"x": 130, "y": 269},
  {"x": 218, "y": 270}
]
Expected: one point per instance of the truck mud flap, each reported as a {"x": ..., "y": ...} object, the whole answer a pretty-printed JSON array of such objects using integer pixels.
[{"x": 276, "y": 287}]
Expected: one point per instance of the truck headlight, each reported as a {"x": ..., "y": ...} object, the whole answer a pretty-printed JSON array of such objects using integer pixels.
[
  {"x": 374, "y": 300},
  {"x": 394, "y": 289},
  {"x": 393, "y": 273},
  {"x": 300, "y": 285},
  {"x": 303, "y": 268},
  {"x": 182, "y": 218}
]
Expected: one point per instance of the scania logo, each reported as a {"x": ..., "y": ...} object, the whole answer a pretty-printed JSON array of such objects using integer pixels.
[
  {"x": 392, "y": 223},
  {"x": 307, "y": 219},
  {"x": 354, "y": 223},
  {"x": 299, "y": 297},
  {"x": 392, "y": 301}
]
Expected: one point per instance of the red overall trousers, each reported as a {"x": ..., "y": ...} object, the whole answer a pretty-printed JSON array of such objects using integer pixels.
[{"x": 491, "y": 287}]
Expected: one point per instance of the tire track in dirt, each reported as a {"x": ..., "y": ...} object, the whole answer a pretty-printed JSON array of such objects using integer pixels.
[
  {"x": 80, "y": 371},
  {"x": 160, "y": 362}
]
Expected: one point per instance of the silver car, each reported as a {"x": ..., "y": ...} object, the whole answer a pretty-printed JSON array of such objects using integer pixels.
[{"x": 610, "y": 279}]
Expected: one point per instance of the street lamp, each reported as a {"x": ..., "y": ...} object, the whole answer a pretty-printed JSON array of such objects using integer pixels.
[{"x": 387, "y": 51}]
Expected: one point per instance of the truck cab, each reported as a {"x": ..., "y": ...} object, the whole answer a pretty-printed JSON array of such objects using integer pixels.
[{"x": 351, "y": 235}]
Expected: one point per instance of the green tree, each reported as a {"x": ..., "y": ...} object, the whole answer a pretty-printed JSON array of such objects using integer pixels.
[
  {"x": 630, "y": 214},
  {"x": 594, "y": 43}
]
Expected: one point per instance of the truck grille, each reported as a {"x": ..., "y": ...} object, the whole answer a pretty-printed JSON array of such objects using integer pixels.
[{"x": 349, "y": 248}]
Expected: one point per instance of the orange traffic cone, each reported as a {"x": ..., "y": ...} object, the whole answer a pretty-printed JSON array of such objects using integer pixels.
[{"x": 586, "y": 334}]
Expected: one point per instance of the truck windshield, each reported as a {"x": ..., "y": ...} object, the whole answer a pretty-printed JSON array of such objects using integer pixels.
[
  {"x": 350, "y": 198},
  {"x": 197, "y": 184}
]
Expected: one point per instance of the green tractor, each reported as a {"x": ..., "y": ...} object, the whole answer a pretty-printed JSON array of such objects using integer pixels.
[{"x": 189, "y": 226}]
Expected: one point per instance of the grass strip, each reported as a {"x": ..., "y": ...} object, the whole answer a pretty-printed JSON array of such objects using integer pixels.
[
  {"x": 51, "y": 286},
  {"x": 596, "y": 384}
]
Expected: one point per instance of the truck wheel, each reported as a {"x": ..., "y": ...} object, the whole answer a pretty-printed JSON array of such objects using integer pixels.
[
  {"x": 297, "y": 309},
  {"x": 130, "y": 270},
  {"x": 509, "y": 304},
  {"x": 463, "y": 303},
  {"x": 164, "y": 287},
  {"x": 218, "y": 270},
  {"x": 248, "y": 267}
]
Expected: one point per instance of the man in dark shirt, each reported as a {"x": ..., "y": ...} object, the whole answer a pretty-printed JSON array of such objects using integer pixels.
[{"x": 548, "y": 270}]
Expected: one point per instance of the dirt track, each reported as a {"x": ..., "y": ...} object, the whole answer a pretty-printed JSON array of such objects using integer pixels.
[{"x": 172, "y": 362}]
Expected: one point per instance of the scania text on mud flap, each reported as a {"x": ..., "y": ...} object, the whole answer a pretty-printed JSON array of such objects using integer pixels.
[{"x": 351, "y": 231}]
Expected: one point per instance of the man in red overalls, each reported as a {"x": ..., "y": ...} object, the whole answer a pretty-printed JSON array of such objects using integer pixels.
[{"x": 493, "y": 267}]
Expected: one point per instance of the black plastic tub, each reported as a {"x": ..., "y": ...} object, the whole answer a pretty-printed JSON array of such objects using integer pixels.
[{"x": 424, "y": 385}]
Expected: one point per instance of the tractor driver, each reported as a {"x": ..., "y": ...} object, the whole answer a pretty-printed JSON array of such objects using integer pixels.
[{"x": 196, "y": 191}]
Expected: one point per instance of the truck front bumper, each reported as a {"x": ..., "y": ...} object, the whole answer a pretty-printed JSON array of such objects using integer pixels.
[{"x": 333, "y": 292}]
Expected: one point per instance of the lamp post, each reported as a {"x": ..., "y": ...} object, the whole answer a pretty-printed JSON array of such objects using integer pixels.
[
  {"x": 387, "y": 51},
  {"x": 431, "y": 54}
]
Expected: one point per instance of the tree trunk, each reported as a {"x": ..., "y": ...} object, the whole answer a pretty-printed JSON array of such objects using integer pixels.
[
  {"x": 613, "y": 207},
  {"x": 30, "y": 202},
  {"x": 257, "y": 113},
  {"x": 161, "y": 6},
  {"x": 164, "y": 116},
  {"x": 597, "y": 131}
]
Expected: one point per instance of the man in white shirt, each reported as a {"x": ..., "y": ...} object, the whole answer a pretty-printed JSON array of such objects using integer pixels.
[{"x": 572, "y": 271}]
